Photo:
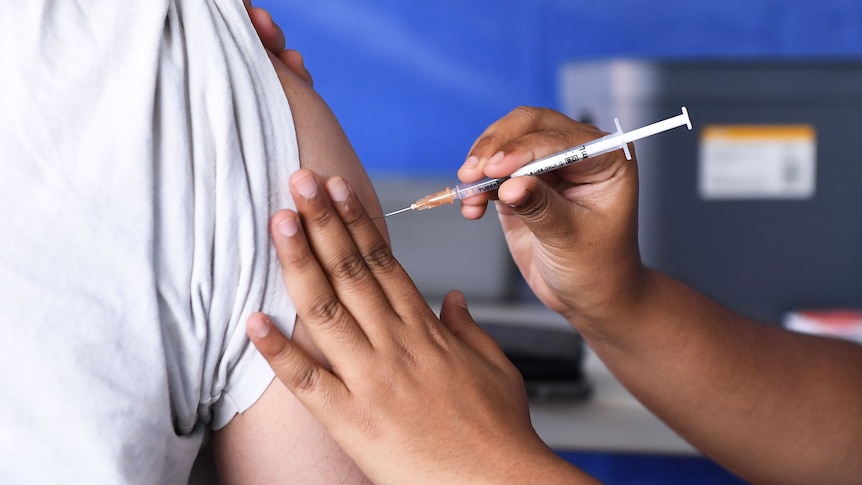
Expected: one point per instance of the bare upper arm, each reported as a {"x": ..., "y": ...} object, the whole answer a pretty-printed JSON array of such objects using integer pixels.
[
  {"x": 277, "y": 440},
  {"x": 323, "y": 145}
]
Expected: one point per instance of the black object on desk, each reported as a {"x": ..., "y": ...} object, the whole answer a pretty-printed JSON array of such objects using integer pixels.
[{"x": 549, "y": 359}]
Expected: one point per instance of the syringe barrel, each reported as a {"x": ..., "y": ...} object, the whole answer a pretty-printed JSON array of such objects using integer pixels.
[
  {"x": 464, "y": 190},
  {"x": 607, "y": 143}
]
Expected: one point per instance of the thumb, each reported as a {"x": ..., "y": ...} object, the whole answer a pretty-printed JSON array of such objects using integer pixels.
[
  {"x": 546, "y": 213},
  {"x": 456, "y": 317}
]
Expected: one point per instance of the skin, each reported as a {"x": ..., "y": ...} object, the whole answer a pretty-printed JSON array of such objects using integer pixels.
[
  {"x": 770, "y": 405},
  {"x": 277, "y": 440},
  {"x": 426, "y": 414}
]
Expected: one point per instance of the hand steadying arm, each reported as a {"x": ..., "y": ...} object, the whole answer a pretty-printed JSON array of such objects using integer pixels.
[{"x": 410, "y": 398}]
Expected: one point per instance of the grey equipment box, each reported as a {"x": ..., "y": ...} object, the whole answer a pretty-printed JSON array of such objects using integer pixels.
[{"x": 760, "y": 251}]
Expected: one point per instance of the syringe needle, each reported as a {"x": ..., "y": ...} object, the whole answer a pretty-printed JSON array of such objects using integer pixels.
[{"x": 410, "y": 207}]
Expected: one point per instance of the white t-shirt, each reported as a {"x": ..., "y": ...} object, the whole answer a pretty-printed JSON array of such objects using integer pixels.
[{"x": 143, "y": 146}]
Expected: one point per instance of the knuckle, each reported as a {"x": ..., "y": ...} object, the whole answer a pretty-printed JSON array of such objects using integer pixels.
[
  {"x": 325, "y": 311},
  {"x": 349, "y": 267},
  {"x": 282, "y": 358},
  {"x": 322, "y": 217},
  {"x": 528, "y": 112},
  {"x": 380, "y": 258},
  {"x": 534, "y": 209},
  {"x": 294, "y": 369},
  {"x": 564, "y": 137},
  {"x": 353, "y": 217},
  {"x": 306, "y": 379},
  {"x": 490, "y": 138},
  {"x": 298, "y": 260},
  {"x": 407, "y": 358}
]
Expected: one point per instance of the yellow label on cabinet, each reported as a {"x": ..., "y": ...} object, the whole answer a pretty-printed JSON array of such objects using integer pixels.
[{"x": 757, "y": 162}]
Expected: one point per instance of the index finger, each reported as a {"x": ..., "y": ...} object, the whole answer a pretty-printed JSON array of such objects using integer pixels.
[
  {"x": 391, "y": 278},
  {"x": 349, "y": 269},
  {"x": 524, "y": 135},
  {"x": 330, "y": 324}
]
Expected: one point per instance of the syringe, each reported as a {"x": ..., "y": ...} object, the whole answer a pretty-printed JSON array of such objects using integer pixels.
[{"x": 608, "y": 143}]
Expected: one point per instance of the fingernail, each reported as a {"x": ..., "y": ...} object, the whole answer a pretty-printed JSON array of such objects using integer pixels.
[
  {"x": 495, "y": 159},
  {"x": 261, "y": 328},
  {"x": 338, "y": 190},
  {"x": 471, "y": 162},
  {"x": 306, "y": 186},
  {"x": 459, "y": 298},
  {"x": 288, "y": 227}
]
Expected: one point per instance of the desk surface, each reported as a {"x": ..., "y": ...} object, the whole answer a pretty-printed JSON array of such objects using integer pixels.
[{"x": 610, "y": 420}]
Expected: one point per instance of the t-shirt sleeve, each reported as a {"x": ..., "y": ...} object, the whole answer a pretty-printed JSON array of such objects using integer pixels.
[
  {"x": 266, "y": 142},
  {"x": 226, "y": 147}
]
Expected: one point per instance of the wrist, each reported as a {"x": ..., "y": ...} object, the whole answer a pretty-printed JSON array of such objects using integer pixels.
[{"x": 612, "y": 299}]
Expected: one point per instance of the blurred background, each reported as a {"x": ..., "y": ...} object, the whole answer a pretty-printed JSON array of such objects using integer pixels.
[{"x": 414, "y": 84}]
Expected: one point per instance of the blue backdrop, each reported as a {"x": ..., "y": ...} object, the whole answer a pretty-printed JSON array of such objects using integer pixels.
[{"x": 414, "y": 83}]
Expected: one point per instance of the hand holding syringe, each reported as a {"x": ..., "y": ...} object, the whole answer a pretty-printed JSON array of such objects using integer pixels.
[{"x": 609, "y": 143}]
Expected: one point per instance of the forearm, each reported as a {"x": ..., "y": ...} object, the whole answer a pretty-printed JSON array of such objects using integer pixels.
[
  {"x": 771, "y": 405},
  {"x": 537, "y": 467},
  {"x": 768, "y": 404}
]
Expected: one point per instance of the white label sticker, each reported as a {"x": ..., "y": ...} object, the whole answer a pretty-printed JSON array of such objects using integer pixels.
[{"x": 757, "y": 162}]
